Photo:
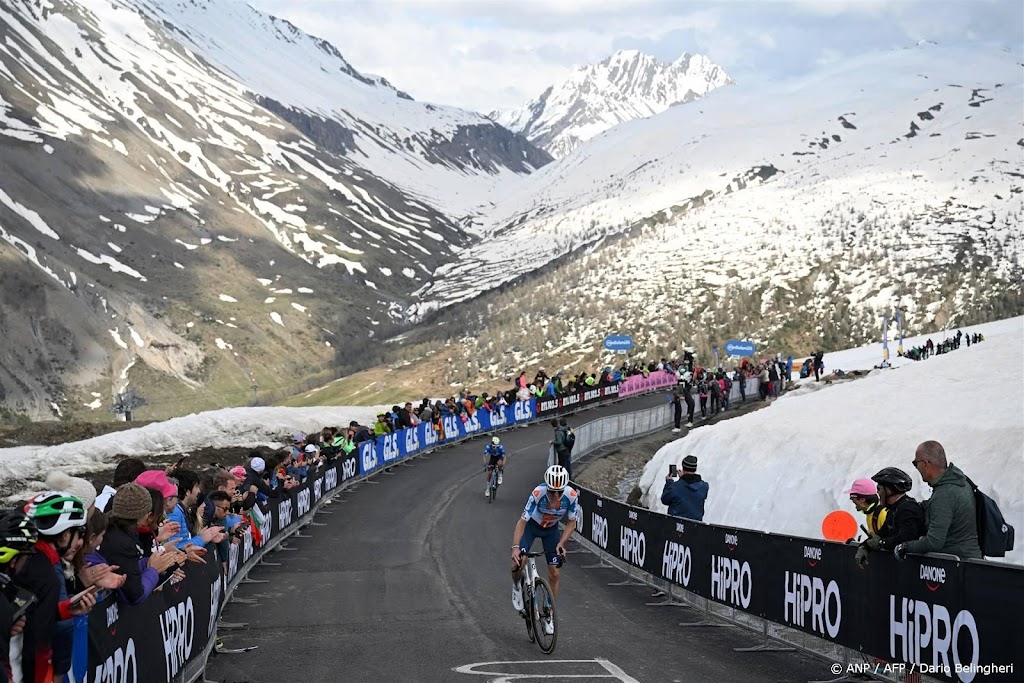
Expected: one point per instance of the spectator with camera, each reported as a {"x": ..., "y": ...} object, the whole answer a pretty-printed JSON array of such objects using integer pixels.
[{"x": 685, "y": 497}]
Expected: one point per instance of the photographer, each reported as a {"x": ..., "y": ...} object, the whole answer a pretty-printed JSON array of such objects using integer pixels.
[{"x": 685, "y": 497}]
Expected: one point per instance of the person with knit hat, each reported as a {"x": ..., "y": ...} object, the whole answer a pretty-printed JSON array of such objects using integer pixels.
[
  {"x": 685, "y": 498},
  {"x": 131, "y": 506}
]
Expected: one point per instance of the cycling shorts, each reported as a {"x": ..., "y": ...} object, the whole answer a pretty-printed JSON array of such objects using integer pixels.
[
  {"x": 493, "y": 460},
  {"x": 549, "y": 536}
]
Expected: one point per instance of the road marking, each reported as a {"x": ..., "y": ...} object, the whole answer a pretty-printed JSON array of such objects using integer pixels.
[{"x": 611, "y": 670}]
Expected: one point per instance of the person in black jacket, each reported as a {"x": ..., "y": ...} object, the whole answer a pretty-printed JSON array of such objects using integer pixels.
[
  {"x": 120, "y": 546},
  {"x": 677, "y": 410},
  {"x": 904, "y": 519}
]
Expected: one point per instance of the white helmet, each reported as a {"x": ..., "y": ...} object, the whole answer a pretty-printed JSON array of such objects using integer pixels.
[
  {"x": 556, "y": 477},
  {"x": 55, "y": 512},
  {"x": 495, "y": 441}
]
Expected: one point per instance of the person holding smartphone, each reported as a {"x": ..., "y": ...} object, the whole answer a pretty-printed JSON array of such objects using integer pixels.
[{"x": 685, "y": 496}]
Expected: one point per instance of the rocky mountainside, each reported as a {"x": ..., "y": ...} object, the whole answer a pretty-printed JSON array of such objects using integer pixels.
[
  {"x": 794, "y": 215},
  {"x": 628, "y": 85},
  {"x": 201, "y": 200}
]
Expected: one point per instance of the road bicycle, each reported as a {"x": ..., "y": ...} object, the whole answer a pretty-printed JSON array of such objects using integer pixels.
[
  {"x": 492, "y": 482},
  {"x": 538, "y": 605}
]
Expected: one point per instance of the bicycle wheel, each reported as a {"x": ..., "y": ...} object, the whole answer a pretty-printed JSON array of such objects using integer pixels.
[
  {"x": 543, "y": 610},
  {"x": 494, "y": 485},
  {"x": 528, "y": 609},
  {"x": 491, "y": 488}
]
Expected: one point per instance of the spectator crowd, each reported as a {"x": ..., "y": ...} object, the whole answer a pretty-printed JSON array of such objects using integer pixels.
[{"x": 64, "y": 548}]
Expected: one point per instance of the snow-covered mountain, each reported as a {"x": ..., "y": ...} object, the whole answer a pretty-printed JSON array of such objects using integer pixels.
[
  {"x": 628, "y": 85},
  {"x": 196, "y": 197},
  {"x": 768, "y": 210}
]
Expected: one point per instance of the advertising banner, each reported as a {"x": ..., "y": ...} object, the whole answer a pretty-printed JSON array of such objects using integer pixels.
[
  {"x": 742, "y": 348},
  {"x": 618, "y": 342},
  {"x": 951, "y": 620},
  {"x": 638, "y": 384},
  {"x": 154, "y": 640}
]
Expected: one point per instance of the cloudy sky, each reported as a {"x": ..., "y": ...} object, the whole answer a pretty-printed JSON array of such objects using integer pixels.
[{"x": 496, "y": 54}]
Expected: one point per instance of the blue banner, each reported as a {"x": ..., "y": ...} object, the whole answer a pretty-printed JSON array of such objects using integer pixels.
[
  {"x": 387, "y": 449},
  {"x": 618, "y": 342},
  {"x": 734, "y": 347}
]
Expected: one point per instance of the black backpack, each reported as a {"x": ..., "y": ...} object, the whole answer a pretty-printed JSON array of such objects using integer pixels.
[
  {"x": 995, "y": 536},
  {"x": 570, "y": 439}
]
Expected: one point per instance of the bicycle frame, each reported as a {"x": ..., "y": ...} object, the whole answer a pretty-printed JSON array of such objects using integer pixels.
[
  {"x": 492, "y": 481},
  {"x": 533, "y": 613}
]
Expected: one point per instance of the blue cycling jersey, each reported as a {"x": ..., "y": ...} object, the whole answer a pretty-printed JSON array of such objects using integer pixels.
[
  {"x": 538, "y": 507},
  {"x": 494, "y": 450}
]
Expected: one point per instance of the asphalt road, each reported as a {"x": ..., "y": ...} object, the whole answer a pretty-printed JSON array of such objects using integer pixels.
[{"x": 409, "y": 581}]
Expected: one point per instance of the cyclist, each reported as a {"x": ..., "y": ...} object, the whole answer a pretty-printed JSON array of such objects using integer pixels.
[
  {"x": 546, "y": 506},
  {"x": 494, "y": 457}
]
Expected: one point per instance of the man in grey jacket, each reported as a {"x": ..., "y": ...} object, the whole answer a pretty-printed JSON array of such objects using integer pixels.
[{"x": 949, "y": 513}]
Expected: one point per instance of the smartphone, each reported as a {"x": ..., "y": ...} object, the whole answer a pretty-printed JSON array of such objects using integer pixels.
[
  {"x": 180, "y": 460},
  {"x": 22, "y": 600},
  {"x": 673, "y": 470},
  {"x": 166, "y": 580},
  {"x": 77, "y": 598}
]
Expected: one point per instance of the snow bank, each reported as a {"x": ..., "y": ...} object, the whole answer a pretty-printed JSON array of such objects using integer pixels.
[
  {"x": 245, "y": 427},
  {"x": 785, "y": 467}
]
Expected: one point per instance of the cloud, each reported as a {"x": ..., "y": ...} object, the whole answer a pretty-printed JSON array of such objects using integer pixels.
[{"x": 491, "y": 55}]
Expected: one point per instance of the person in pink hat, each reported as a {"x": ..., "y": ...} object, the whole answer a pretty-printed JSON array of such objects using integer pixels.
[
  {"x": 157, "y": 480},
  {"x": 864, "y": 495}
]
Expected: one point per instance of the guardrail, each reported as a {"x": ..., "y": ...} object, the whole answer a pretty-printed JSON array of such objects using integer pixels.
[{"x": 934, "y": 614}]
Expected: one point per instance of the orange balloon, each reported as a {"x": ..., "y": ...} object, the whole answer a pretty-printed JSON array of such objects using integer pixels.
[{"x": 839, "y": 525}]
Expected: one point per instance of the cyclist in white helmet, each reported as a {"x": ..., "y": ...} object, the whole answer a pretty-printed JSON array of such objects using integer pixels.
[
  {"x": 546, "y": 506},
  {"x": 494, "y": 456}
]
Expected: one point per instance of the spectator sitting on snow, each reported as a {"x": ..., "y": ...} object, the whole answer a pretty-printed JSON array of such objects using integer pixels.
[
  {"x": 685, "y": 498},
  {"x": 949, "y": 513}
]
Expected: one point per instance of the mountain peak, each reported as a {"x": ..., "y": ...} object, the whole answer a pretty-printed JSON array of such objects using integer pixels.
[{"x": 627, "y": 85}]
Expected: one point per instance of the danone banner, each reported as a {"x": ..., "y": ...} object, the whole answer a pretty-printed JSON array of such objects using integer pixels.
[{"x": 951, "y": 620}]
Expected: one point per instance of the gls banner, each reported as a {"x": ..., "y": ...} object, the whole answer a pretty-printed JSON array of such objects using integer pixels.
[
  {"x": 388, "y": 449},
  {"x": 953, "y": 620}
]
